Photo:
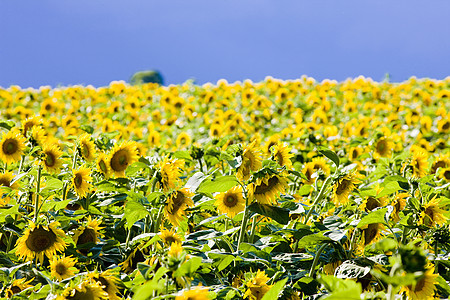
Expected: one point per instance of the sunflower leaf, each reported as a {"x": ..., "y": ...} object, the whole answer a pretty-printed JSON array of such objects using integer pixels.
[
  {"x": 134, "y": 211},
  {"x": 275, "y": 291},
  {"x": 281, "y": 215},
  {"x": 376, "y": 216},
  {"x": 330, "y": 154},
  {"x": 220, "y": 185}
]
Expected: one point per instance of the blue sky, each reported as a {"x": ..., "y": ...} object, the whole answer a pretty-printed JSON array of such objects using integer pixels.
[{"x": 54, "y": 42}]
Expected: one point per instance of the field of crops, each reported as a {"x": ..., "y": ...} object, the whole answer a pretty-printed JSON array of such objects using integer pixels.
[{"x": 291, "y": 189}]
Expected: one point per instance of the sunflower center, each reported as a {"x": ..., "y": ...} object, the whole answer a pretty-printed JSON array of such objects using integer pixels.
[
  {"x": 10, "y": 146},
  {"x": 438, "y": 164},
  {"x": 50, "y": 159},
  {"x": 177, "y": 202},
  {"x": 370, "y": 233},
  {"x": 231, "y": 201},
  {"x": 102, "y": 166},
  {"x": 446, "y": 126},
  {"x": 381, "y": 147},
  {"x": 280, "y": 159},
  {"x": 5, "y": 182},
  {"x": 103, "y": 282},
  {"x": 85, "y": 150},
  {"x": 40, "y": 239},
  {"x": 86, "y": 295},
  {"x": 170, "y": 239},
  {"x": 61, "y": 269},
  {"x": 89, "y": 235},
  {"x": 263, "y": 188},
  {"x": 447, "y": 174},
  {"x": 78, "y": 180},
  {"x": 419, "y": 285},
  {"x": 372, "y": 203},
  {"x": 343, "y": 186},
  {"x": 119, "y": 161}
]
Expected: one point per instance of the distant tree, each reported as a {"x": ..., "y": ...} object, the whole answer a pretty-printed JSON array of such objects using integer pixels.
[{"x": 147, "y": 77}]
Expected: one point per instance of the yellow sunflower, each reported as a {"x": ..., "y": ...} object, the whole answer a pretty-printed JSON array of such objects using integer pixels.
[
  {"x": 103, "y": 165},
  {"x": 309, "y": 170},
  {"x": 231, "y": 202},
  {"x": 343, "y": 187},
  {"x": 86, "y": 290},
  {"x": 169, "y": 170},
  {"x": 257, "y": 286},
  {"x": 444, "y": 125},
  {"x": 281, "y": 154},
  {"x": 383, "y": 147},
  {"x": 418, "y": 164},
  {"x": 18, "y": 286},
  {"x": 121, "y": 157},
  {"x": 170, "y": 236},
  {"x": 443, "y": 161},
  {"x": 87, "y": 147},
  {"x": 62, "y": 268},
  {"x": 88, "y": 233},
  {"x": 81, "y": 181},
  {"x": 433, "y": 213},
  {"x": 175, "y": 250},
  {"x": 444, "y": 173},
  {"x": 51, "y": 158},
  {"x": 29, "y": 123},
  {"x": 6, "y": 178},
  {"x": 12, "y": 146},
  {"x": 183, "y": 140},
  {"x": 371, "y": 233},
  {"x": 251, "y": 161},
  {"x": 319, "y": 163},
  {"x": 196, "y": 293},
  {"x": 424, "y": 288},
  {"x": 154, "y": 139},
  {"x": 399, "y": 204},
  {"x": 355, "y": 152},
  {"x": 266, "y": 189},
  {"x": 177, "y": 202},
  {"x": 370, "y": 203},
  {"x": 38, "y": 136},
  {"x": 39, "y": 240},
  {"x": 108, "y": 280},
  {"x": 130, "y": 263}
]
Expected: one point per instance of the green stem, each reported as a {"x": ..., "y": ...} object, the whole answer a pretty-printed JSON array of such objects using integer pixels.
[
  {"x": 352, "y": 240},
  {"x": 127, "y": 242},
  {"x": 21, "y": 164},
  {"x": 74, "y": 161},
  {"x": 318, "y": 198},
  {"x": 252, "y": 232},
  {"x": 316, "y": 259},
  {"x": 201, "y": 164},
  {"x": 38, "y": 189},
  {"x": 244, "y": 224},
  {"x": 158, "y": 219}
]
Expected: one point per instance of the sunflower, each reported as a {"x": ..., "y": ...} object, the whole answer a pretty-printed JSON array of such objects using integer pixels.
[
  {"x": 169, "y": 170},
  {"x": 175, "y": 250},
  {"x": 443, "y": 125},
  {"x": 433, "y": 213},
  {"x": 266, "y": 189},
  {"x": 423, "y": 288},
  {"x": 231, "y": 202},
  {"x": 18, "y": 286},
  {"x": 319, "y": 163},
  {"x": 257, "y": 286},
  {"x": 418, "y": 163},
  {"x": 130, "y": 263},
  {"x": 103, "y": 165},
  {"x": 121, "y": 157},
  {"x": 39, "y": 240},
  {"x": 6, "y": 178},
  {"x": 371, "y": 233},
  {"x": 215, "y": 130},
  {"x": 177, "y": 202},
  {"x": 12, "y": 146},
  {"x": 383, "y": 147},
  {"x": 273, "y": 140},
  {"x": 443, "y": 161},
  {"x": 38, "y": 136},
  {"x": 183, "y": 140},
  {"x": 444, "y": 173},
  {"x": 281, "y": 154},
  {"x": 399, "y": 204},
  {"x": 170, "y": 236},
  {"x": 51, "y": 160},
  {"x": 251, "y": 161},
  {"x": 370, "y": 203},
  {"x": 309, "y": 171},
  {"x": 62, "y": 268},
  {"x": 87, "y": 147},
  {"x": 81, "y": 181},
  {"x": 355, "y": 152},
  {"x": 343, "y": 187},
  {"x": 86, "y": 290},
  {"x": 29, "y": 123},
  {"x": 88, "y": 233},
  {"x": 154, "y": 139},
  {"x": 196, "y": 293},
  {"x": 108, "y": 281}
]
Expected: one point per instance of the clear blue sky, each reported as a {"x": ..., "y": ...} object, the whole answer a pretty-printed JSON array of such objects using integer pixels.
[{"x": 51, "y": 42}]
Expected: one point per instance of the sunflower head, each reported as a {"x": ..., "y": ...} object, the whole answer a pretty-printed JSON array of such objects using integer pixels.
[
  {"x": 433, "y": 213},
  {"x": 343, "y": 187},
  {"x": 88, "y": 233},
  {"x": 423, "y": 288},
  {"x": 231, "y": 202},
  {"x": 39, "y": 240},
  {"x": 169, "y": 173},
  {"x": 17, "y": 286},
  {"x": 383, "y": 147},
  {"x": 62, "y": 268},
  {"x": 251, "y": 161},
  {"x": 86, "y": 147},
  {"x": 103, "y": 165},
  {"x": 121, "y": 157},
  {"x": 257, "y": 286},
  {"x": 281, "y": 153},
  {"x": 196, "y": 293},
  {"x": 12, "y": 146},
  {"x": 51, "y": 158},
  {"x": 81, "y": 181},
  {"x": 176, "y": 205},
  {"x": 170, "y": 236},
  {"x": 267, "y": 188},
  {"x": 108, "y": 280},
  {"x": 86, "y": 290}
]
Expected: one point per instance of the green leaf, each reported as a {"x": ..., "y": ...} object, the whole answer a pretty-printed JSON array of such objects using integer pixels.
[
  {"x": 14, "y": 210},
  {"x": 330, "y": 154},
  {"x": 52, "y": 184},
  {"x": 189, "y": 267},
  {"x": 218, "y": 185},
  {"x": 7, "y": 124},
  {"x": 340, "y": 288},
  {"x": 443, "y": 285},
  {"x": 389, "y": 188},
  {"x": 305, "y": 190},
  {"x": 134, "y": 211},
  {"x": 275, "y": 291},
  {"x": 87, "y": 128},
  {"x": 134, "y": 168},
  {"x": 312, "y": 240},
  {"x": 53, "y": 204},
  {"x": 194, "y": 182},
  {"x": 182, "y": 155},
  {"x": 376, "y": 216},
  {"x": 281, "y": 215}
]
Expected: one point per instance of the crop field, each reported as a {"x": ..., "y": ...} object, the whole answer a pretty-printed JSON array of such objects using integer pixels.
[{"x": 267, "y": 190}]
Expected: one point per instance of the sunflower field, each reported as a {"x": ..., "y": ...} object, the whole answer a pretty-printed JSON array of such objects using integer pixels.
[{"x": 279, "y": 189}]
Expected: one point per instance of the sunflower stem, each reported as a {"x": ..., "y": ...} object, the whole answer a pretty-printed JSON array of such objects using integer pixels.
[
  {"x": 252, "y": 232},
  {"x": 158, "y": 219},
  {"x": 244, "y": 224},
  {"x": 38, "y": 188},
  {"x": 316, "y": 260},
  {"x": 127, "y": 241},
  {"x": 21, "y": 164},
  {"x": 201, "y": 164},
  {"x": 318, "y": 198}
]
